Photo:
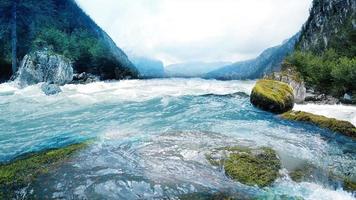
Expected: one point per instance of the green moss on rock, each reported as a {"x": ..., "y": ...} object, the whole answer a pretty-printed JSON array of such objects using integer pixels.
[
  {"x": 349, "y": 185},
  {"x": 27, "y": 168},
  {"x": 343, "y": 127},
  {"x": 273, "y": 96},
  {"x": 206, "y": 196},
  {"x": 303, "y": 173},
  {"x": 248, "y": 166}
]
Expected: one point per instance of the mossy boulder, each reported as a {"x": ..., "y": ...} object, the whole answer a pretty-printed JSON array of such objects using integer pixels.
[
  {"x": 26, "y": 169},
  {"x": 248, "y": 166},
  {"x": 343, "y": 127},
  {"x": 273, "y": 96}
]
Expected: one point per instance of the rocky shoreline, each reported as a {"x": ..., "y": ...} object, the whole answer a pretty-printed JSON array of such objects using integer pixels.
[{"x": 275, "y": 96}]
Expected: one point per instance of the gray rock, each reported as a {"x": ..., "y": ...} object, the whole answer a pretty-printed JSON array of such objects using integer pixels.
[
  {"x": 50, "y": 89},
  {"x": 318, "y": 98},
  {"x": 347, "y": 97},
  {"x": 44, "y": 66},
  {"x": 84, "y": 78},
  {"x": 292, "y": 78}
]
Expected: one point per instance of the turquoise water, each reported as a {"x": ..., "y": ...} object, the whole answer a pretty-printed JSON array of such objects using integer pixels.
[{"x": 151, "y": 137}]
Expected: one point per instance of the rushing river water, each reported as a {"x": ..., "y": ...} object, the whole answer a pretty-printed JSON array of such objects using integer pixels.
[{"x": 151, "y": 137}]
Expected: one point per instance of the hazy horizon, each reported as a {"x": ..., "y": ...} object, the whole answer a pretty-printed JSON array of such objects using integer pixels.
[{"x": 199, "y": 30}]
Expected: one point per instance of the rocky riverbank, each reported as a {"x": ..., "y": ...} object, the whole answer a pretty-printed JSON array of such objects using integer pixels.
[{"x": 277, "y": 97}]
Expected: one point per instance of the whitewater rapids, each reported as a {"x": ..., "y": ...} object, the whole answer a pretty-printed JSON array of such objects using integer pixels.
[{"x": 151, "y": 137}]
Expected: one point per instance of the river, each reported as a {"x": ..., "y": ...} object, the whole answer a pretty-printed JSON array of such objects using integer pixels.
[{"x": 151, "y": 137}]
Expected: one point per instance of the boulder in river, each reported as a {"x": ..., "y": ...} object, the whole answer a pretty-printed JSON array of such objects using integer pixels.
[
  {"x": 50, "y": 89},
  {"x": 45, "y": 66},
  {"x": 273, "y": 96},
  {"x": 249, "y": 166},
  {"x": 343, "y": 127}
]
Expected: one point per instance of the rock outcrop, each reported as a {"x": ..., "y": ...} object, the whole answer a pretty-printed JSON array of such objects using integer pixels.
[
  {"x": 249, "y": 166},
  {"x": 44, "y": 66},
  {"x": 292, "y": 77},
  {"x": 273, "y": 96},
  {"x": 63, "y": 27}
]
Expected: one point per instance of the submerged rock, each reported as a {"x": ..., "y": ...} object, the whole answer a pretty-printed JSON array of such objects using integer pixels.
[
  {"x": 249, "y": 166},
  {"x": 312, "y": 173},
  {"x": 293, "y": 78},
  {"x": 44, "y": 66},
  {"x": 273, "y": 96},
  {"x": 343, "y": 127},
  {"x": 50, "y": 89},
  {"x": 24, "y": 170}
]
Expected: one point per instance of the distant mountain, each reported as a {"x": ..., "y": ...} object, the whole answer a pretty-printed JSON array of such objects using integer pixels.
[
  {"x": 268, "y": 61},
  {"x": 149, "y": 68},
  {"x": 62, "y": 27},
  {"x": 192, "y": 69}
]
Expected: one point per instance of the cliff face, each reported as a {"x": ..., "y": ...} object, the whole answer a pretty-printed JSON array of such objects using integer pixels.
[
  {"x": 331, "y": 24},
  {"x": 62, "y": 27}
]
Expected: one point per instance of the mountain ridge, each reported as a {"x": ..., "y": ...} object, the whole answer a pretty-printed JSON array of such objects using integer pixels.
[{"x": 267, "y": 62}]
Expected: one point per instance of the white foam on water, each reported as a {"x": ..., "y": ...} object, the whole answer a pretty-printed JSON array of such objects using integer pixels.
[
  {"x": 311, "y": 191},
  {"x": 341, "y": 112},
  {"x": 125, "y": 144},
  {"x": 128, "y": 90}
]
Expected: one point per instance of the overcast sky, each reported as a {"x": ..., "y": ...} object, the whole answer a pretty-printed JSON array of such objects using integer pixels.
[{"x": 198, "y": 30}]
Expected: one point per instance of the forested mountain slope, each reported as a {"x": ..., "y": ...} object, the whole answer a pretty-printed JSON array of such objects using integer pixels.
[
  {"x": 326, "y": 52},
  {"x": 62, "y": 27}
]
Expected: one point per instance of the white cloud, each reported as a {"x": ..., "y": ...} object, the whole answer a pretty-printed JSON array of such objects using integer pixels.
[{"x": 191, "y": 30}]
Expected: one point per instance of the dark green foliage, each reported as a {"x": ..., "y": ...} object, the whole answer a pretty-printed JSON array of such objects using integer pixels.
[
  {"x": 62, "y": 27},
  {"x": 330, "y": 26},
  {"x": 326, "y": 54},
  {"x": 327, "y": 72}
]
